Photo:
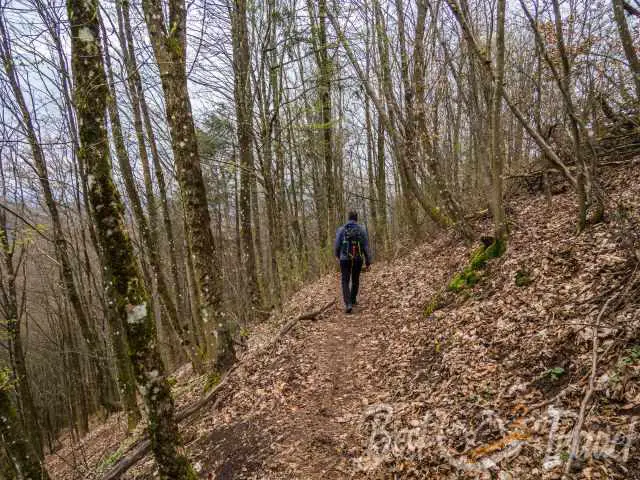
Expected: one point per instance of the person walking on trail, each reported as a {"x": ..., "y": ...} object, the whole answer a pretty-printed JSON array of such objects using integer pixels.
[{"x": 351, "y": 248}]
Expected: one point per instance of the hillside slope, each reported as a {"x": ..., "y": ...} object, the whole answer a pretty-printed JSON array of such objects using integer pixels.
[{"x": 489, "y": 385}]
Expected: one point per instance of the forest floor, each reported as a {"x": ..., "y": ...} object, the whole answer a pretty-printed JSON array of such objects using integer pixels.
[{"x": 487, "y": 385}]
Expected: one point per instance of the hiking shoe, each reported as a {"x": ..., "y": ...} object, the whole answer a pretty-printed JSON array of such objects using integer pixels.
[{"x": 348, "y": 309}]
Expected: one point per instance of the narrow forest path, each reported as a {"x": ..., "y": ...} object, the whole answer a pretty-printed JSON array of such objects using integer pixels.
[
  {"x": 446, "y": 386},
  {"x": 297, "y": 412}
]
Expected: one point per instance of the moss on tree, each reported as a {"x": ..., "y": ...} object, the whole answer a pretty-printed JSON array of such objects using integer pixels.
[
  {"x": 22, "y": 455},
  {"x": 125, "y": 288}
]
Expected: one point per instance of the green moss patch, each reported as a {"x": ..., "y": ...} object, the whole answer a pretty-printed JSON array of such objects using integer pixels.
[
  {"x": 213, "y": 379},
  {"x": 439, "y": 300},
  {"x": 479, "y": 259},
  {"x": 467, "y": 278}
]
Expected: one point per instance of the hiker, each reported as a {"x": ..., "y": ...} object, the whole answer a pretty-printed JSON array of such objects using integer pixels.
[{"x": 351, "y": 248}]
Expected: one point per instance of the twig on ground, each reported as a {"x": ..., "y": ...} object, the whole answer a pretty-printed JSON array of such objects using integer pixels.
[{"x": 544, "y": 403}]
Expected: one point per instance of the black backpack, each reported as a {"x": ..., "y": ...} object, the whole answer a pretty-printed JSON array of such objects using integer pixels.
[{"x": 352, "y": 241}]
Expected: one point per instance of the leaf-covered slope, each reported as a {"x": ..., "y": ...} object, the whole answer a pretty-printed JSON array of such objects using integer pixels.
[{"x": 470, "y": 387}]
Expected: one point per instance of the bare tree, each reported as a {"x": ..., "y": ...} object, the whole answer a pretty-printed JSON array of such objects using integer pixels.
[{"x": 168, "y": 39}]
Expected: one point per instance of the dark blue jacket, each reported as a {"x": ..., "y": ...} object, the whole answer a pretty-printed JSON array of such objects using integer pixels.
[{"x": 337, "y": 246}]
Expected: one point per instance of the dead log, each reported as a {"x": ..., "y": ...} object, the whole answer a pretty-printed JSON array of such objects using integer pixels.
[{"x": 139, "y": 449}]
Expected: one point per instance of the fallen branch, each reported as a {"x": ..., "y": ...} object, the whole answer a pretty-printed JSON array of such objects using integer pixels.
[
  {"x": 575, "y": 435},
  {"x": 544, "y": 403},
  {"x": 537, "y": 173},
  {"x": 139, "y": 449},
  {"x": 305, "y": 316}
]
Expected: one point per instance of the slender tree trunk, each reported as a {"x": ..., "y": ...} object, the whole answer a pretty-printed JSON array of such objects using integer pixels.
[
  {"x": 76, "y": 376},
  {"x": 381, "y": 187},
  {"x": 627, "y": 43},
  {"x": 24, "y": 458},
  {"x": 9, "y": 308},
  {"x": 169, "y": 48},
  {"x": 257, "y": 226},
  {"x": 59, "y": 240},
  {"x": 244, "y": 114},
  {"x": 373, "y": 203},
  {"x": 148, "y": 227},
  {"x": 497, "y": 146},
  {"x": 138, "y": 98},
  {"x": 323, "y": 63}
]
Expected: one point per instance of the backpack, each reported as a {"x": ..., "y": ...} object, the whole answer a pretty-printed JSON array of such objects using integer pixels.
[{"x": 352, "y": 241}]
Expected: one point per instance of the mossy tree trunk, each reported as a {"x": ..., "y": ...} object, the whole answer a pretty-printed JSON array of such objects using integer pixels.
[
  {"x": 169, "y": 47},
  {"x": 125, "y": 285},
  {"x": 148, "y": 225},
  {"x": 23, "y": 457},
  {"x": 497, "y": 143},
  {"x": 139, "y": 101}
]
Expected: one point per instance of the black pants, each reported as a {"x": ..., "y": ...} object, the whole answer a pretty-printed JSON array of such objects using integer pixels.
[{"x": 350, "y": 271}]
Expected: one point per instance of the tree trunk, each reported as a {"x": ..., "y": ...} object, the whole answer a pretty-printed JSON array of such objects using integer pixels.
[
  {"x": 169, "y": 48},
  {"x": 126, "y": 288},
  {"x": 24, "y": 458},
  {"x": 138, "y": 98},
  {"x": 244, "y": 114},
  {"x": 497, "y": 145},
  {"x": 17, "y": 359},
  {"x": 381, "y": 187},
  {"x": 627, "y": 43},
  {"x": 148, "y": 227},
  {"x": 59, "y": 240}
]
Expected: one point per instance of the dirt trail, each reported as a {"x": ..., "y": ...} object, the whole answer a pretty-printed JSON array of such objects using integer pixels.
[
  {"x": 296, "y": 411},
  {"x": 307, "y": 398}
]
